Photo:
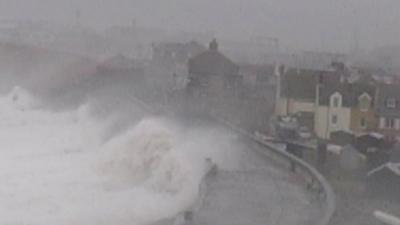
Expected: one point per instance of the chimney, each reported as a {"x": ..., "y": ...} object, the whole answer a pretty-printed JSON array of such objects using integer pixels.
[{"x": 214, "y": 45}]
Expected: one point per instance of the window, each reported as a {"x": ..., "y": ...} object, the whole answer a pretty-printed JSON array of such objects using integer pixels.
[
  {"x": 363, "y": 123},
  {"x": 391, "y": 103},
  {"x": 389, "y": 123},
  {"x": 364, "y": 102},
  {"x": 334, "y": 119},
  {"x": 336, "y": 102}
]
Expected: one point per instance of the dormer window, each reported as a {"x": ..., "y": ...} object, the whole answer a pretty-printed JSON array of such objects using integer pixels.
[
  {"x": 364, "y": 102},
  {"x": 391, "y": 103},
  {"x": 336, "y": 100}
]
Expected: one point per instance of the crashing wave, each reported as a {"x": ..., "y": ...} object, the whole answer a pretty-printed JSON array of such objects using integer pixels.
[
  {"x": 54, "y": 168},
  {"x": 146, "y": 155}
]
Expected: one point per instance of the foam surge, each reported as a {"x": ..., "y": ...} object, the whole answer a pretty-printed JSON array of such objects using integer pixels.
[{"x": 54, "y": 168}]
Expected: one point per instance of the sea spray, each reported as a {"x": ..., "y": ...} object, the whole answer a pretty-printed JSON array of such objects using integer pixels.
[
  {"x": 147, "y": 163},
  {"x": 56, "y": 169},
  {"x": 146, "y": 155}
]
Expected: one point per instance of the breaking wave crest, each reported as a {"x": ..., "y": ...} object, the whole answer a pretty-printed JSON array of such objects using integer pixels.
[
  {"x": 54, "y": 168},
  {"x": 147, "y": 155}
]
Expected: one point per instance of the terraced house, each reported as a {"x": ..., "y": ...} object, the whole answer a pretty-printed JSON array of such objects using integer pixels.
[
  {"x": 327, "y": 102},
  {"x": 388, "y": 109},
  {"x": 345, "y": 107}
]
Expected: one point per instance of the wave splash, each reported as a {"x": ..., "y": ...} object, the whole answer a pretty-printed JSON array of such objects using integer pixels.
[{"x": 54, "y": 168}]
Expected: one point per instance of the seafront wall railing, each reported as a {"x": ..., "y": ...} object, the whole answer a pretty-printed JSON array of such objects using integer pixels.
[{"x": 314, "y": 179}]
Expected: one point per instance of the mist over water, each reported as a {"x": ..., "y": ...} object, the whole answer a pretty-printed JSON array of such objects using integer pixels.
[{"x": 58, "y": 167}]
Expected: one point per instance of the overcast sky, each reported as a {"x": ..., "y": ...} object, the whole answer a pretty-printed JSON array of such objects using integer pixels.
[{"x": 307, "y": 24}]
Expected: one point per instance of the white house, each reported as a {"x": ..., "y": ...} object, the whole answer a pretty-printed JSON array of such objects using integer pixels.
[{"x": 333, "y": 114}]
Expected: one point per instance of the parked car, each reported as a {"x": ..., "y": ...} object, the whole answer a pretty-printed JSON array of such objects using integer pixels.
[{"x": 304, "y": 133}]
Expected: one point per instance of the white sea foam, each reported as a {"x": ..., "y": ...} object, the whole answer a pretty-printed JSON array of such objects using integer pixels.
[{"x": 54, "y": 168}]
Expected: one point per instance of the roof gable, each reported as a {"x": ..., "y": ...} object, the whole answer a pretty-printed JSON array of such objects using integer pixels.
[{"x": 212, "y": 62}]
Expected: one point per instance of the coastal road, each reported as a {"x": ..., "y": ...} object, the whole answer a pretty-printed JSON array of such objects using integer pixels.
[{"x": 260, "y": 191}]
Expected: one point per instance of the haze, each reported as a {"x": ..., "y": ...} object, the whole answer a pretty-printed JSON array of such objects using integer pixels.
[{"x": 305, "y": 24}]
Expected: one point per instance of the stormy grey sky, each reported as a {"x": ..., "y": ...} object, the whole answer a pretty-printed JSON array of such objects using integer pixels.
[{"x": 307, "y": 24}]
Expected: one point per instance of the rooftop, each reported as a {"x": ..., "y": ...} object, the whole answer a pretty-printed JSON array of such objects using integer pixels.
[{"x": 212, "y": 62}]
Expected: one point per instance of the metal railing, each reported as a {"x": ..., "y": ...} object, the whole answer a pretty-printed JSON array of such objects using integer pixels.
[
  {"x": 314, "y": 178},
  {"x": 324, "y": 188}
]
